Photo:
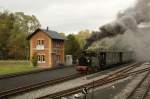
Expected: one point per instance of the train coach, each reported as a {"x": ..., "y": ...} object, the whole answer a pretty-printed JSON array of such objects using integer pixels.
[{"x": 102, "y": 59}]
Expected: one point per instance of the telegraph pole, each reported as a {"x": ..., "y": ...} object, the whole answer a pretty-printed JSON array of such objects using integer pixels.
[
  {"x": 92, "y": 96},
  {"x": 84, "y": 96}
]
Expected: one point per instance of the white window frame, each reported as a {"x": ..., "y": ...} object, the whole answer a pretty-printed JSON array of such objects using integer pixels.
[{"x": 41, "y": 58}]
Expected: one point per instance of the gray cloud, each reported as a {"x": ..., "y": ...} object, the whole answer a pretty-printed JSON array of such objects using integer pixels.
[{"x": 69, "y": 15}]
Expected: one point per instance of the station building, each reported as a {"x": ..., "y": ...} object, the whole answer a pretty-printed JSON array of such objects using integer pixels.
[{"x": 47, "y": 46}]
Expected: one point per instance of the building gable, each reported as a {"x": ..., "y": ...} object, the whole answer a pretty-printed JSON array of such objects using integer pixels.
[
  {"x": 40, "y": 35},
  {"x": 52, "y": 34}
]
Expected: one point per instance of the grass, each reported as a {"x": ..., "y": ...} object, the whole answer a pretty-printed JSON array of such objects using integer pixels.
[{"x": 7, "y": 67}]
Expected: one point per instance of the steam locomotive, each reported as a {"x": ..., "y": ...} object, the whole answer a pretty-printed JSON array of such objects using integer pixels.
[{"x": 102, "y": 59}]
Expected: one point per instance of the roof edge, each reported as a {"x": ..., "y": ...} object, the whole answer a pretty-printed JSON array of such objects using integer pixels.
[
  {"x": 30, "y": 35},
  {"x": 39, "y": 29}
]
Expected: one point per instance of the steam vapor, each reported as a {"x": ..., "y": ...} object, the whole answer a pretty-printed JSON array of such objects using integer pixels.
[{"x": 128, "y": 20}]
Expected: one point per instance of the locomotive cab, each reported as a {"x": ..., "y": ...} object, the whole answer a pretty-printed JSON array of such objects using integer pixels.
[{"x": 88, "y": 62}]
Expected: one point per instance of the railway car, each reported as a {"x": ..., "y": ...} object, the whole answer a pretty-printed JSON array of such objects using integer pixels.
[{"x": 98, "y": 60}]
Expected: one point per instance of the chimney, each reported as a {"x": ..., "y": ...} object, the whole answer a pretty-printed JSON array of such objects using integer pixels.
[{"x": 47, "y": 28}]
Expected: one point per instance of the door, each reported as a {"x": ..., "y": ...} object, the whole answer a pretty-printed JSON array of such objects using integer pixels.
[
  {"x": 102, "y": 59},
  {"x": 54, "y": 60}
]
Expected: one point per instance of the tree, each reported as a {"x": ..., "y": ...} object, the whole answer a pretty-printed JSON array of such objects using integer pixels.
[
  {"x": 23, "y": 25},
  {"x": 26, "y": 23},
  {"x": 82, "y": 36},
  {"x": 72, "y": 47},
  {"x": 6, "y": 25},
  {"x": 14, "y": 29}
]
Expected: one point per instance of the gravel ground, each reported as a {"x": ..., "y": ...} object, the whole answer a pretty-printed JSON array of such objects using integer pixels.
[
  {"x": 65, "y": 85},
  {"x": 55, "y": 88},
  {"x": 148, "y": 95},
  {"x": 105, "y": 92},
  {"x": 116, "y": 90},
  {"x": 130, "y": 87}
]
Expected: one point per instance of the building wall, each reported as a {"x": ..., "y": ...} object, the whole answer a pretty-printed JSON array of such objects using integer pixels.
[
  {"x": 57, "y": 51},
  {"x": 50, "y": 51},
  {"x": 47, "y": 44}
]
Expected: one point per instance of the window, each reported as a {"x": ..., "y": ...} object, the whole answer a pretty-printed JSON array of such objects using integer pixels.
[
  {"x": 40, "y": 42},
  {"x": 57, "y": 44},
  {"x": 40, "y": 45},
  {"x": 41, "y": 58}
]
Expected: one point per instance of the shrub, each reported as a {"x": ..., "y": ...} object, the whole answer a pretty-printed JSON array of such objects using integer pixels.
[{"x": 34, "y": 60}]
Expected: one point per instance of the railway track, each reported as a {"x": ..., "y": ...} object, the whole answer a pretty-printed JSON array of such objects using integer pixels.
[
  {"x": 37, "y": 85},
  {"x": 123, "y": 73},
  {"x": 27, "y": 87},
  {"x": 141, "y": 89}
]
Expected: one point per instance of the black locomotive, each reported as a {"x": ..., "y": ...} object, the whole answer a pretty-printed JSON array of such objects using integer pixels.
[{"x": 97, "y": 60}]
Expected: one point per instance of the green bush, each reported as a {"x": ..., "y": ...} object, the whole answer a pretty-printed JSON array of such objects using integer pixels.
[{"x": 34, "y": 60}]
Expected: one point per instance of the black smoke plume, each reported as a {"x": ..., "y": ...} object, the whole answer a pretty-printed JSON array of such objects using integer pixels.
[{"x": 128, "y": 20}]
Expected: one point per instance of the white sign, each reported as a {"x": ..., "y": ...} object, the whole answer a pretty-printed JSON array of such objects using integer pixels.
[
  {"x": 84, "y": 90},
  {"x": 40, "y": 47}
]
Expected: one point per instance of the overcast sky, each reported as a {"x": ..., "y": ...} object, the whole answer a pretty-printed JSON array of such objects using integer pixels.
[{"x": 69, "y": 15}]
